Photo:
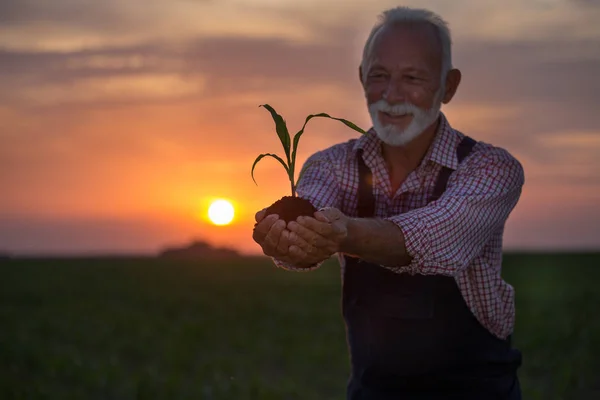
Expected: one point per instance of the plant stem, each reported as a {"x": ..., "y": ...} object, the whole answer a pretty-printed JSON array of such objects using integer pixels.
[{"x": 293, "y": 190}]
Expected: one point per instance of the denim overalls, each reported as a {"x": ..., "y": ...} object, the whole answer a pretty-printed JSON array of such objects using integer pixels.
[{"x": 413, "y": 336}]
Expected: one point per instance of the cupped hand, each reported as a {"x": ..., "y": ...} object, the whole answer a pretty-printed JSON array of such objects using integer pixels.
[
  {"x": 275, "y": 239},
  {"x": 319, "y": 237},
  {"x": 271, "y": 235}
]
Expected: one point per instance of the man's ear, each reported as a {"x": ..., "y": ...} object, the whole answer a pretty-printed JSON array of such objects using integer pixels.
[
  {"x": 360, "y": 76},
  {"x": 453, "y": 78}
]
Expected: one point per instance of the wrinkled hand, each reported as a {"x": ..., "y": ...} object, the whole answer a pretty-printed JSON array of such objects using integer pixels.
[
  {"x": 304, "y": 243},
  {"x": 319, "y": 237},
  {"x": 271, "y": 234}
]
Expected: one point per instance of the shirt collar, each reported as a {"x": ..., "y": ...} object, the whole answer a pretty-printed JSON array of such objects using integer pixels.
[{"x": 442, "y": 150}]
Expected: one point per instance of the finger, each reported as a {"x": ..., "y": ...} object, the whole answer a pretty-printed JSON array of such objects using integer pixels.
[
  {"x": 299, "y": 257},
  {"x": 260, "y": 215},
  {"x": 320, "y": 216},
  {"x": 297, "y": 241},
  {"x": 322, "y": 228},
  {"x": 262, "y": 228},
  {"x": 304, "y": 259},
  {"x": 297, "y": 254},
  {"x": 283, "y": 244},
  {"x": 308, "y": 235},
  {"x": 272, "y": 239},
  {"x": 331, "y": 213}
]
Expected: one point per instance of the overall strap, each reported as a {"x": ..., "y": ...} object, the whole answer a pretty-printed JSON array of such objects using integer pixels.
[
  {"x": 366, "y": 199},
  {"x": 464, "y": 149}
]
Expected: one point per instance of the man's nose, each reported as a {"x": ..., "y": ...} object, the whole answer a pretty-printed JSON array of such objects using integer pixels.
[{"x": 394, "y": 93}]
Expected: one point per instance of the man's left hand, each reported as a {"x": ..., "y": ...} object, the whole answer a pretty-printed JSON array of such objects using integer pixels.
[{"x": 321, "y": 236}]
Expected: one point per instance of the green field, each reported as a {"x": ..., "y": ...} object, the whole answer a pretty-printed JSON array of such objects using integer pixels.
[{"x": 154, "y": 329}]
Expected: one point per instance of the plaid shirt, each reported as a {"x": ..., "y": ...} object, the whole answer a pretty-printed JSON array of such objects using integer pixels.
[{"x": 458, "y": 235}]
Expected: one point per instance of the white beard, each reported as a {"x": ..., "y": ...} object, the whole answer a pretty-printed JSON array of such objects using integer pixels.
[{"x": 394, "y": 136}]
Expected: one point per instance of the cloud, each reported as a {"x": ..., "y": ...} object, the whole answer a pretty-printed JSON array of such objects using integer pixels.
[
  {"x": 71, "y": 25},
  {"x": 144, "y": 88},
  {"x": 87, "y": 13},
  {"x": 544, "y": 69},
  {"x": 519, "y": 91},
  {"x": 223, "y": 64},
  {"x": 539, "y": 71},
  {"x": 68, "y": 25},
  {"x": 492, "y": 72}
]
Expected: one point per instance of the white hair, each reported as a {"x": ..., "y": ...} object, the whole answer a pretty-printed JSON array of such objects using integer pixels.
[{"x": 399, "y": 15}]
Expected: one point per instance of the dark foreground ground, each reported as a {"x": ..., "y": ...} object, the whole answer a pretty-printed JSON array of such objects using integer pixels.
[{"x": 151, "y": 329}]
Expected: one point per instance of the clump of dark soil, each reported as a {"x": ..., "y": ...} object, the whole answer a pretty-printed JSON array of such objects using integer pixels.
[{"x": 289, "y": 208}]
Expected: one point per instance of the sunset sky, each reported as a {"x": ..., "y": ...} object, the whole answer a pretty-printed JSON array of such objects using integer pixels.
[{"x": 121, "y": 120}]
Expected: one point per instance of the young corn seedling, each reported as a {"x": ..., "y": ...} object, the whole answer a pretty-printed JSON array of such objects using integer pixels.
[{"x": 290, "y": 207}]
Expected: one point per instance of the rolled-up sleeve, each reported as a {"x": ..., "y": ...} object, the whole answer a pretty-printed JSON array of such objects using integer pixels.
[
  {"x": 445, "y": 236},
  {"x": 320, "y": 181}
]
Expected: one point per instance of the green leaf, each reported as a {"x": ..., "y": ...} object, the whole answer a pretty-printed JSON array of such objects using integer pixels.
[
  {"x": 260, "y": 157},
  {"x": 351, "y": 125},
  {"x": 301, "y": 131},
  {"x": 282, "y": 130}
]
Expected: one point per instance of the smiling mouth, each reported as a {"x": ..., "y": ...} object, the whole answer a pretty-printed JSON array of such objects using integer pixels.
[{"x": 394, "y": 116}]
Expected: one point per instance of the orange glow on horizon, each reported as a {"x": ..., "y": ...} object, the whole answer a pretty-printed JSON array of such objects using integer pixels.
[{"x": 124, "y": 137}]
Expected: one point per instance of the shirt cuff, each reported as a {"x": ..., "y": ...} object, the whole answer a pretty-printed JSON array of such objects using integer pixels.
[
  {"x": 415, "y": 240},
  {"x": 290, "y": 267}
]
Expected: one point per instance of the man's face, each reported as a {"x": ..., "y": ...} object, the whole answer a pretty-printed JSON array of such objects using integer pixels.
[{"x": 403, "y": 82}]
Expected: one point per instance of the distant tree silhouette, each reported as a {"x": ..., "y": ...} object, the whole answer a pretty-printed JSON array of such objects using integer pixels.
[{"x": 198, "y": 250}]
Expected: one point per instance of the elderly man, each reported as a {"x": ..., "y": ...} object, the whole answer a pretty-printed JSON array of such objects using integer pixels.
[{"x": 415, "y": 211}]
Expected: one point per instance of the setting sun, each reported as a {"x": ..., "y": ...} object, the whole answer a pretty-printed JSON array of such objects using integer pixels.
[{"x": 220, "y": 212}]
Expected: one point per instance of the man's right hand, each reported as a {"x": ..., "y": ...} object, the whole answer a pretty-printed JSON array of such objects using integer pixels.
[{"x": 271, "y": 235}]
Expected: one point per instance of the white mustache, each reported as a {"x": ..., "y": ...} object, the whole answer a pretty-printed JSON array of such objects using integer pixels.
[{"x": 398, "y": 109}]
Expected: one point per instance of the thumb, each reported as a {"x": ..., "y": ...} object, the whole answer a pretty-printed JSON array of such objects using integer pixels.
[
  {"x": 331, "y": 213},
  {"x": 259, "y": 216},
  {"x": 339, "y": 228},
  {"x": 320, "y": 216}
]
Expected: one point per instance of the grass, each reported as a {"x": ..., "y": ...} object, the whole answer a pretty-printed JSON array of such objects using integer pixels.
[{"x": 155, "y": 329}]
